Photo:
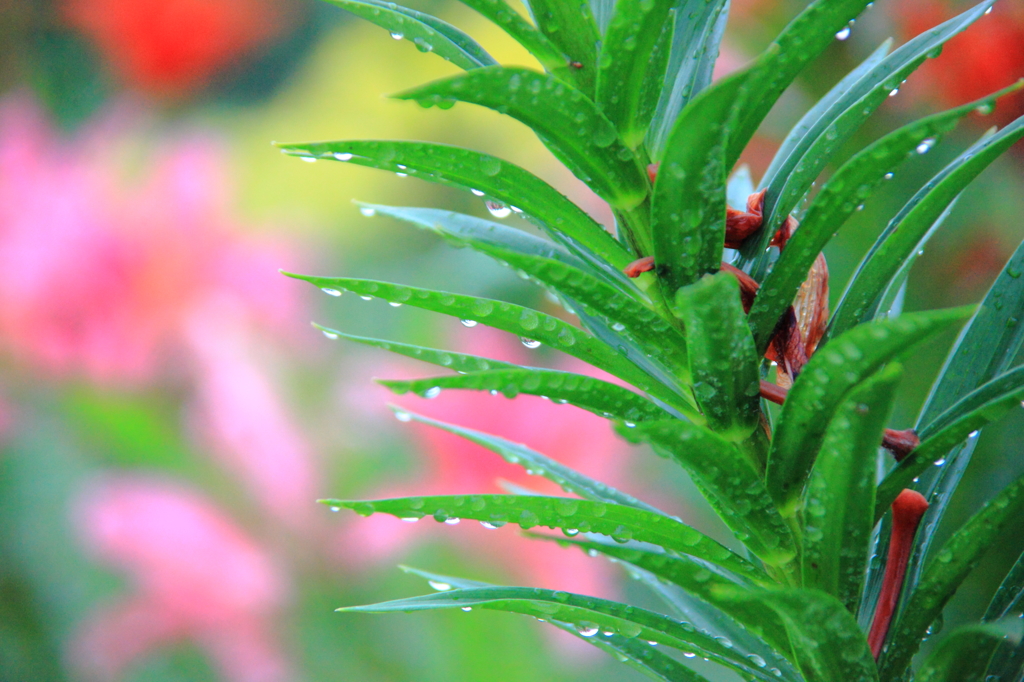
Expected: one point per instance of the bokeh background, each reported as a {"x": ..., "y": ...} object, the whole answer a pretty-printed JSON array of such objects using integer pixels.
[{"x": 168, "y": 415}]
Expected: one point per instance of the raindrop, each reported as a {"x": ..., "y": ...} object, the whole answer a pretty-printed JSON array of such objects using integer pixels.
[
  {"x": 308, "y": 159},
  {"x": 335, "y": 509},
  {"x": 491, "y": 525},
  {"x": 432, "y": 392},
  {"x": 477, "y": 192},
  {"x": 331, "y": 292},
  {"x": 571, "y": 532},
  {"x": 367, "y": 211},
  {"x": 586, "y": 629},
  {"x": 411, "y": 519},
  {"x": 973, "y": 434},
  {"x": 619, "y": 327},
  {"x": 940, "y": 462},
  {"x": 844, "y": 33},
  {"x": 342, "y": 156},
  {"x": 689, "y": 654},
  {"x": 396, "y": 35},
  {"x": 439, "y": 586},
  {"x": 988, "y": 11},
  {"x": 452, "y": 521},
  {"x": 498, "y": 209},
  {"x": 394, "y": 304},
  {"x": 529, "y": 343},
  {"x": 468, "y": 323},
  {"x": 467, "y": 608},
  {"x": 888, "y": 176},
  {"x": 985, "y": 109},
  {"x": 366, "y": 298},
  {"x": 331, "y": 335},
  {"x": 894, "y": 92},
  {"x": 402, "y": 175},
  {"x": 925, "y": 145},
  {"x": 757, "y": 660},
  {"x": 403, "y": 416}
]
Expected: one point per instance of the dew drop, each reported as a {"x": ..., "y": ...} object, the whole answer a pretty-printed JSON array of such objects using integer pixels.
[
  {"x": 331, "y": 335},
  {"x": 489, "y": 525},
  {"x": 367, "y": 211},
  {"x": 410, "y": 519},
  {"x": 529, "y": 343},
  {"x": 335, "y": 509},
  {"x": 940, "y": 462},
  {"x": 894, "y": 92},
  {"x": 452, "y": 521},
  {"x": 439, "y": 586},
  {"x": 342, "y": 156},
  {"x": 468, "y": 323},
  {"x": 586, "y": 628},
  {"x": 477, "y": 192},
  {"x": 888, "y": 176},
  {"x": 308, "y": 159},
  {"x": 366, "y": 298},
  {"x": 925, "y": 145},
  {"x": 403, "y": 416},
  {"x": 331, "y": 292},
  {"x": 498, "y": 209},
  {"x": 432, "y": 392},
  {"x": 396, "y": 35},
  {"x": 394, "y": 304},
  {"x": 844, "y": 33},
  {"x": 467, "y": 608},
  {"x": 988, "y": 11},
  {"x": 689, "y": 654}
]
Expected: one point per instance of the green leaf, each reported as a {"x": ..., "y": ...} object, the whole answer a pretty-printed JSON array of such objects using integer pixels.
[
  {"x": 507, "y": 317},
  {"x": 460, "y": 362},
  {"x": 964, "y": 654},
  {"x": 428, "y": 33},
  {"x": 827, "y": 643},
  {"x": 634, "y": 31},
  {"x": 902, "y": 236},
  {"x": 600, "y": 397},
  {"x": 806, "y": 37},
  {"x": 688, "y": 205},
  {"x": 978, "y": 408},
  {"x": 849, "y": 188},
  {"x": 571, "y": 481},
  {"x": 635, "y": 653},
  {"x": 590, "y": 614},
  {"x": 494, "y": 177},
  {"x": 698, "y": 27},
  {"x": 728, "y": 480},
  {"x": 569, "y": 123},
  {"x": 793, "y": 178},
  {"x": 723, "y": 360},
  {"x": 839, "y": 503},
  {"x": 951, "y": 564},
  {"x": 510, "y": 21},
  {"x": 824, "y": 383},
  {"x": 1007, "y": 599},
  {"x": 619, "y": 522},
  {"x": 570, "y": 25}
]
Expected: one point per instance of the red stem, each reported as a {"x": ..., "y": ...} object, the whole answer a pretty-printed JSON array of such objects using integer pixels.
[{"x": 907, "y": 510}]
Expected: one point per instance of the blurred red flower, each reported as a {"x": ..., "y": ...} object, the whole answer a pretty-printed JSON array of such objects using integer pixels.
[
  {"x": 195, "y": 577},
  {"x": 984, "y": 58},
  {"x": 170, "y": 47}
]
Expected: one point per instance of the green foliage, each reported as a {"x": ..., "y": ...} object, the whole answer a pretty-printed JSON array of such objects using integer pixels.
[{"x": 626, "y": 83}]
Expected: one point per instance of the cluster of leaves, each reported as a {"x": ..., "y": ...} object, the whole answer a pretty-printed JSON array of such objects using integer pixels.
[{"x": 627, "y": 84}]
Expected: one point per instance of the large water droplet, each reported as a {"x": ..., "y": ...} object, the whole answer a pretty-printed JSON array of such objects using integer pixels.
[
  {"x": 468, "y": 323},
  {"x": 925, "y": 145},
  {"x": 396, "y": 35},
  {"x": 342, "y": 156},
  {"x": 403, "y": 416},
  {"x": 331, "y": 335},
  {"x": 844, "y": 33},
  {"x": 452, "y": 521},
  {"x": 331, "y": 292},
  {"x": 308, "y": 159},
  {"x": 529, "y": 343},
  {"x": 432, "y": 392},
  {"x": 439, "y": 586},
  {"x": 477, "y": 192},
  {"x": 367, "y": 211},
  {"x": 498, "y": 209},
  {"x": 586, "y": 628}
]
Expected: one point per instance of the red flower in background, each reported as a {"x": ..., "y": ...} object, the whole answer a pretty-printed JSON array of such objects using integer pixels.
[
  {"x": 984, "y": 58},
  {"x": 196, "y": 577},
  {"x": 170, "y": 47}
]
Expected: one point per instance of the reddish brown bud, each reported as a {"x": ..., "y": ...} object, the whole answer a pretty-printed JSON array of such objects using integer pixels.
[
  {"x": 652, "y": 172},
  {"x": 576, "y": 65},
  {"x": 907, "y": 510},
  {"x": 741, "y": 224},
  {"x": 900, "y": 443},
  {"x": 639, "y": 266}
]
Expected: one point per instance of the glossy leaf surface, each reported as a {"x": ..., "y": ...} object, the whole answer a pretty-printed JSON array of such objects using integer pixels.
[{"x": 964, "y": 654}]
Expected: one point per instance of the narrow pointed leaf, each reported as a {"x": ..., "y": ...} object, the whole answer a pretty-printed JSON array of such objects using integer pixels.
[
  {"x": 839, "y": 503},
  {"x": 1007, "y": 599},
  {"x": 600, "y": 397},
  {"x": 459, "y": 362},
  {"x": 794, "y": 177},
  {"x": 964, "y": 655},
  {"x": 827, "y": 643},
  {"x": 493, "y": 177},
  {"x": 698, "y": 27},
  {"x": 824, "y": 384},
  {"x": 944, "y": 573},
  {"x": 614, "y": 520},
  {"x": 570, "y": 25},
  {"x": 513, "y": 23},
  {"x": 571, "y": 481},
  {"x": 569, "y": 123},
  {"x": 637, "y": 653},
  {"x": 904, "y": 233},
  {"x": 428, "y": 33},
  {"x": 728, "y": 480},
  {"x": 978, "y": 408},
  {"x": 806, "y": 37},
  {"x": 723, "y": 360},
  {"x": 845, "y": 192},
  {"x": 590, "y": 614},
  {"x": 688, "y": 205},
  {"x": 498, "y": 314},
  {"x": 635, "y": 29}
]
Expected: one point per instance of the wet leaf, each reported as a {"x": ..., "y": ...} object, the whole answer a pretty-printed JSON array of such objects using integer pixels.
[
  {"x": 964, "y": 654},
  {"x": 570, "y": 25},
  {"x": 569, "y": 123},
  {"x": 514, "y": 24}
]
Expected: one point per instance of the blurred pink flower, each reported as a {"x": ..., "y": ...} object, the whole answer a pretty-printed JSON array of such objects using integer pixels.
[
  {"x": 453, "y": 465},
  {"x": 100, "y": 277},
  {"x": 196, "y": 576}
]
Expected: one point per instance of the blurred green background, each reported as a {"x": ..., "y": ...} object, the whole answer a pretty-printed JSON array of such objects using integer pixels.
[{"x": 168, "y": 416}]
